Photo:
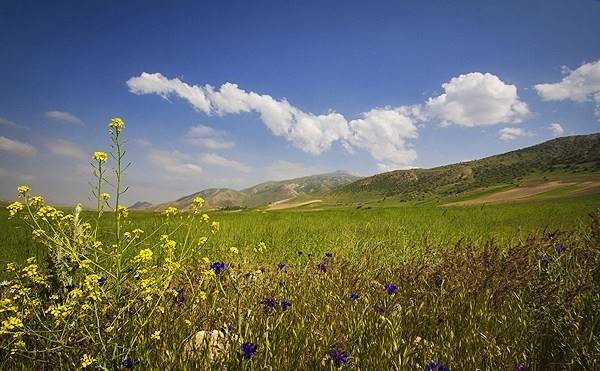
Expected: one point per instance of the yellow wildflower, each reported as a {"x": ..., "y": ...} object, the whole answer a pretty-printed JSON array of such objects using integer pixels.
[
  {"x": 155, "y": 335},
  {"x": 23, "y": 189},
  {"x": 87, "y": 360},
  {"x": 37, "y": 201},
  {"x": 60, "y": 311},
  {"x": 215, "y": 226},
  {"x": 202, "y": 295},
  {"x": 188, "y": 322},
  {"x": 205, "y": 217},
  {"x": 11, "y": 267},
  {"x": 234, "y": 250},
  {"x": 37, "y": 233},
  {"x": 202, "y": 240},
  {"x": 123, "y": 211},
  {"x": 11, "y": 323},
  {"x": 110, "y": 329},
  {"x": 100, "y": 157},
  {"x": 105, "y": 196},
  {"x": 143, "y": 256},
  {"x": 117, "y": 124},
  {"x": 170, "y": 211},
  {"x": 85, "y": 264},
  {"x": 14, "y": 208},
  {"x": 262, "y": 247},
  {"x": 206, "y": 260}
]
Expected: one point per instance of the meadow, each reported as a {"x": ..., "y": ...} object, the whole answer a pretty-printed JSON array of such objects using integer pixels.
[{"x": 513, "y": 286}]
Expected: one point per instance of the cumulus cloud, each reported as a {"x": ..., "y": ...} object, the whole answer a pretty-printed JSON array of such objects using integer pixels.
[
  {"x": 309, "y": 132},
  {"x": 217, "y": 160},
  {"x": 556, "y": 129},
  {"x": 17, "y": 147},
  {"x": 477, "y": 99},
  {"x": 306, "y": 131},
  {"x": 12, "y": 124},
  {"x": 383, "y": 132},
  {"x": 205, "y": 136},
  {"x": 174, "y": 162},
  {"x": 63, "y": 147},
  {"x": 64, "y": 117},
  {"x": 512, "y": 133},
  {"x": 580, "y": 85}
]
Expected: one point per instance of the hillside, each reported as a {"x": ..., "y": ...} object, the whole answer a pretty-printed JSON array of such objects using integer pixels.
[
  {"x": 566, "y": 156},
  {"x": 265, "y": 193}
]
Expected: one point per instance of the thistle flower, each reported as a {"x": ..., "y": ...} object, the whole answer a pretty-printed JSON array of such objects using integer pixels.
[
  {"x": 286, "y": 304},
  {"x": 390, "y": 288},
  {"x": 217, "y": 267},
  {"x": 23, "y": 189},
  {"x": 354, "y": 296},
  {"x": 127, "y": 362},
  {"x": 339, "y": 357},
  {"x": 117, "y": 124},
  {"x": 100, "y": 157},
  {"x": 560, "y": 248},
  {"x": 249, "y": 349}
]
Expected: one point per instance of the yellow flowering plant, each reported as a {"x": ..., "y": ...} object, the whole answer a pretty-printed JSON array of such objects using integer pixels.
[{"x": 102, "y": 291}]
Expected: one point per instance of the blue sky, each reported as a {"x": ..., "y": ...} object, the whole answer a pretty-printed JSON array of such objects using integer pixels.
[{"x": 310, "y": 87}]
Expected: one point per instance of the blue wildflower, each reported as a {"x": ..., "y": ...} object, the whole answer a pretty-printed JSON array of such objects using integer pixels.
[
  {"x": 269, "y": 303},
  {"x": 101, "y": 281},
  {"x": 329, "y": 254},
  {"x": 179, "y": 299},
  {"x": 339, "y": 357},
  {"x": 390, "y": 288},
  {"x": 280, "y": 266},
  {"x": 249, "y": 349},
  {"x": 127, "y": 362},
  {"x": 431, "y": 366},
  {"x": 322, "y": 267},
  {"x": 354, "y": 296},
  {"x": 217, "y": 267},
  {"x": 70, "y": 287},
  {"x": 286, "y": 304},
  {"x": 560, "y": 248}
]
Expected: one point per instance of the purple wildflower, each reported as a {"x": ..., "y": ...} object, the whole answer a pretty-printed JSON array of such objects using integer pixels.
[
  {"x": 431, "y": 366},
  {"x": 520, "y": 367},
  {"x": 101, "y": 281},
  {"x": 179, "y": 299},
  {"x": 286, "y": 304},
  {"x": 390, "y": 288},
  {"x": 269, "y": 303},
  {"x": 329, "y": 255},
  {"x": 280, "y": 266},
  {"x": 70, "y": 287},
  {"x": 217, "y": 267},
  {"x": 545, "y": 260},
  {"x": 322, "y": 267},
  {"x": 354, "y": 296},
  {"x": 560, "y": 248},
  {"x": 438, "y": 279},
  {"x": 339, "y": 357},
  {"x": 249, "y": 349},
  {"x": 127, "y": 362}
]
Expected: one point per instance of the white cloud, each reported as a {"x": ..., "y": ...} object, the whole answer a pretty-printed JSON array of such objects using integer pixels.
[
  {"x": 513, "y": 133},
  {"x": 383, "y": 132},
  {"x": 580, "y": 85},
  {"x": 12, "y": 124},
  {"x": 17, "y": 147},
  {"x": 477, "y": 99},
  {"x": 205, "y": 136},
  {"x": 216, "y": 160},
  {"x": 174, "y": 162},
  {"x": 63, "y": 147},
  {"x": 64, "y": 117},
  {"x": 556, "y": 129},
  {"x": 311, "y": 133}
]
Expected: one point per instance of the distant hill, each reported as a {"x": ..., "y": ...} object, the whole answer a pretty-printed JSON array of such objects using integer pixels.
[
  {"x": 572, "y": 154},
  {"x": 265, "y": 193},
  {"x": 140, "y": 205}
]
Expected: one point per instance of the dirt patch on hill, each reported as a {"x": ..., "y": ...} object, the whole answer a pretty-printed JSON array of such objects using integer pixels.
[
  {"x": 516, "y": 194},
  {"x": 279, "y": 205}
]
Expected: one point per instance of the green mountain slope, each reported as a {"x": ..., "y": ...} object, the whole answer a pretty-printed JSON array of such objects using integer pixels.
[{"x": 567, "y": 155}]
